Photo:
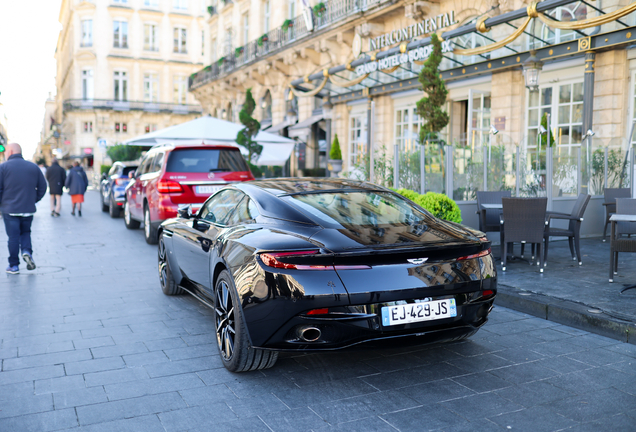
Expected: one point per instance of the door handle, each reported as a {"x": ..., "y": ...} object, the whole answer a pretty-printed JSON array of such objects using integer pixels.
[{"x": 205, "y": 244}]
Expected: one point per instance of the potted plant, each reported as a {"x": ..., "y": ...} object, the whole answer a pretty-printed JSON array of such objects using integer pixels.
[
  {"x": 287, "y": 24},
  {"x": 208, "y": 68},
  {"x": 220, "y": 61},
  {"x": 211, "y": 10},
  {"x": 320, "y": 9},
  {"x": 335, "y": 158},
  {"x": 238, "y": 51},
  {"x": 262, "y": 40}
]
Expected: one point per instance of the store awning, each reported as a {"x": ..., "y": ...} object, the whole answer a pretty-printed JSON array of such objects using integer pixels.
[
  {"x": 303, "y": 129},
  {"x": 278, "y": 127}
]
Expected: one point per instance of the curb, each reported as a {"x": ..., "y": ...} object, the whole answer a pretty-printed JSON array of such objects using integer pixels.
[{"x": 566, "y": 312}]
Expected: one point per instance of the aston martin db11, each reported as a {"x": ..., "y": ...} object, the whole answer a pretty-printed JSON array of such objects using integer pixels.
[{"x": 308, "y": 264}]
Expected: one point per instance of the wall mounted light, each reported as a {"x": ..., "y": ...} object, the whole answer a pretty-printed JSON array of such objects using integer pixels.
[{"x": 532, "y": 70}]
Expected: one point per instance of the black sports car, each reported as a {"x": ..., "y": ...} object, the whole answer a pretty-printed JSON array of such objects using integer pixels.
[{"x": 309, "y": 264}]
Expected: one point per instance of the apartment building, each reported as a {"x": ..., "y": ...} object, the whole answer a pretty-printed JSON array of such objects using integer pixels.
[{"x": 123, "y": 69}]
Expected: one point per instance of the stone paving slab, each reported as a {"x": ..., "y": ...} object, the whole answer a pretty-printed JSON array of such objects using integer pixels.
[{"x": 88, "y": 342}]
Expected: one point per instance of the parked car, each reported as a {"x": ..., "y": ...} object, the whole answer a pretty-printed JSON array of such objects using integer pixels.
[
  {"x": 323, "y": 264},
  {"x": 112, "y": 188},
  {"x": 171, "y": 175}
]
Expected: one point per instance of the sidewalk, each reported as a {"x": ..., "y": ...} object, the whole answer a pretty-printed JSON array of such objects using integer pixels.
[{"x": 578, "y": 296}]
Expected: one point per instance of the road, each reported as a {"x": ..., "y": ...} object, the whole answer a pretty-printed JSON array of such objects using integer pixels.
[{"x": 89, "y": 342}]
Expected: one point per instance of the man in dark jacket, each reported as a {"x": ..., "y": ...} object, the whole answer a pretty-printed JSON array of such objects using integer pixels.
[
  {"x": 77, "y": 182},
  {"x": 56, "y": 176},
  {"x": 21, "y": 186}
]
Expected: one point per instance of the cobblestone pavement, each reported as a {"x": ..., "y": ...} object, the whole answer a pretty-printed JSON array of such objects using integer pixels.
[{"x": 89, "y": 342}]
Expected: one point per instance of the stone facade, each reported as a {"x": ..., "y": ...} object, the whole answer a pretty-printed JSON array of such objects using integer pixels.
[{"x": 122, "y": 70}]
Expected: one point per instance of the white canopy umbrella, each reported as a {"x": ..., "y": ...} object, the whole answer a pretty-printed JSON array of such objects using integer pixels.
[{"x": 210, "y": 130}]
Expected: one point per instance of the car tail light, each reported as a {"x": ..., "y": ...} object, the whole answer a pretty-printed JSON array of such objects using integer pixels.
[
  {"x": 488, "y": 293},
  {"x": 169, "y": 186},
  {"x": 271, "y": 260},
  {"x": 121, "y": 181},
  {"x": 322, "y": 311},
  {"x": 477, "y": 255}
]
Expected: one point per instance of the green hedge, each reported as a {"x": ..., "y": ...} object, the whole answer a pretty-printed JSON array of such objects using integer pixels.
[
  {"x": 439, "y": 205},
  {"x": 104, "y": 168}
]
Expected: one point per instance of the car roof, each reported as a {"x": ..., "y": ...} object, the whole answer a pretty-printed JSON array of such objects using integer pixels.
[
  {"x": 302, "y": 185},
  {"x": 173, "y": 146}
]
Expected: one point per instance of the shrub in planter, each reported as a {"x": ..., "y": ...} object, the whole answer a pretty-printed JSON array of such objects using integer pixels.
[
  {"x": 211, "y": 10},
  {"x": 335, "y": 157},
  {"x": 262, "y": 40},
  {"x": 238, "y": 51},
  {"x": 320, "y": 9},
  {"x": 439, "y": 205},
  {"x": 287, "y": 24},
  {"x": 220, "y": 61}
]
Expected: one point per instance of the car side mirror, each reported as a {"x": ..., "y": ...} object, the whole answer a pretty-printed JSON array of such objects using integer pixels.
[
  {"x": 104, "y": 176},
  {"x": 185, "y": 211},
  {"x": 131, "y": 175}
]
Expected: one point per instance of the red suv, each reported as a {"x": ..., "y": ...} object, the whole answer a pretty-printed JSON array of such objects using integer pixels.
[{"x": 170, "y": 175}]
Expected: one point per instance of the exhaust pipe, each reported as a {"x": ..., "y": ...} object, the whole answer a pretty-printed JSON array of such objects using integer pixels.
[{"x": 309, "y": 334}]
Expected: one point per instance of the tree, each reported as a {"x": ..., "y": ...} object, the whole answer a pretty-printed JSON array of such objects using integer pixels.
[
  {"x": 335, "y": 153},
  {"x": 430, "y": 106},
  {"x": 124, "y": 153},
  {"x": 252, "y": 126}
]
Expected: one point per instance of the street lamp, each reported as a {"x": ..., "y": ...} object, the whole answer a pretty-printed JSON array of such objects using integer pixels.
[{"x": 531, "y": 71}]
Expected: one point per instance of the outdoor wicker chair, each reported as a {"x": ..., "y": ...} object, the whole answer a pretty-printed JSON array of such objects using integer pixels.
[
  {"x": 572, "y": 232},
  {"x": 523, "y": 222},
  {"x": 489, "y": 218},
  {"x": 610, "y": 204},
  {"x": 621, "y": 239}
]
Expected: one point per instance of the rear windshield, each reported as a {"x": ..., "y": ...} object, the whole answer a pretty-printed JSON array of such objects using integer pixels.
[
  {"x": 205, "y": 160},
  {"x": 129, "y": 169},
  {"x": 363, "y": 209}
]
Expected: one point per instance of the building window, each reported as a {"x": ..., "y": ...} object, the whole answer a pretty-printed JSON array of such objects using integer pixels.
[
  {"x": 88, "y": 127},
  {"x": 564, "y": 103},
  {"x": 120, "y": 1},
  {"x": 548, "y": 36},
  {"x": 181, "y": 5},
  {"x": 87, "y": 84},
  {"x": 357, "y": 139},
  {"x": 246, "y": 29},
  {"x": 151, "y": 87},
  {"x": 292, "y": 9},
  {"x": 121, "y": 127},
  {"x": 150, "y": 37},
  {"x": 120, "y": 86},
  {"x": 202, "y": 42},
  {"x": 632, "y": 124},
  {"x": 213, "y": 50},
  {"x": 180, "y": 89},
  {"x": 150, "y": 128},
  {"x": 87, "y": 33},
  {"x": 151, "y": 3},
  {"x": 266, "y": 16},
  {"x": 120, "y": 34},
  {"x": 407, "y": 125},
  {"x": 180, "y": 39}
]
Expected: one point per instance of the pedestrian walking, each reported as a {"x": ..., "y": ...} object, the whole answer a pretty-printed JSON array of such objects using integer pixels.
[
  {"x": 21, "y": 186},
  {"x": 56, "y": 176},
  {"x": 77, "y": 182}
]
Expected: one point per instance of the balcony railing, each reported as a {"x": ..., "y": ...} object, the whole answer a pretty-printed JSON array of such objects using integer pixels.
[
  {"x": 109, "y": 104},
  {"x": 236, "y": 57}
]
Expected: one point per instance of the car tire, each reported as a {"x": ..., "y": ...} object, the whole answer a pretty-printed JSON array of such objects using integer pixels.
[
  {"x": 150, "y": 233},
  {"x": 113, "y": 210},
  {"x": 128, "y": 220},
  {"x": 101, "y": 199},
  {"x": 231, "y": 333},
  {"x": 168, "y": 285}
]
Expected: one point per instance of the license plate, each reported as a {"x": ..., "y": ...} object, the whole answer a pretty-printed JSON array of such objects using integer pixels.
[
  {"x": 417, "y": 312},
  {"x": 206, "y": 189}
]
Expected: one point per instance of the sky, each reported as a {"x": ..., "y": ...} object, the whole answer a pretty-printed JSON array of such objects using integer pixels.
[{"x": 28, "y": 36}]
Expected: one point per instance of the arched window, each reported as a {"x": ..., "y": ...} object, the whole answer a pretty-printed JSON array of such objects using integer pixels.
[
  {"x": 468, "y": 41},
  {"x": 266, "y": 105},
  {"x": 549, "y": 36}
]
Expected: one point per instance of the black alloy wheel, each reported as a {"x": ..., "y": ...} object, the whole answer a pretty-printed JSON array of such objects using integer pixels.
[
  {"x": 113, "y": 209},
  {"x": 150, "y": 233},
  {"x": 231, "y": 334},
  {"x": 168, "y": 285},
  {"x": 128, "y": 220},
  {"x": 101, "y": 199}
]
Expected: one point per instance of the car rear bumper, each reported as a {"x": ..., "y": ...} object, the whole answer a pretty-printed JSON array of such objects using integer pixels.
[{"x": 345, "y": 332}]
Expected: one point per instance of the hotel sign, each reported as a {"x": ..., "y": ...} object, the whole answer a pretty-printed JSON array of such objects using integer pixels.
[
  {"x": 421, "y": 53},
  {"x": 424, "y": 27}
]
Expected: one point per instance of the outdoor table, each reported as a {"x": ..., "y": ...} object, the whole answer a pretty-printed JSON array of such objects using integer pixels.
[{"x": 613, "y": 219}]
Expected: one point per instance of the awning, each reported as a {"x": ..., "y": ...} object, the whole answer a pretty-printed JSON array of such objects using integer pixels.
[
  {"x": 303, "y": 129},
  {"x": 278, "y": 127},
  {"x": 275, "y": 154},
  {"x": 266, "y": 124}
]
